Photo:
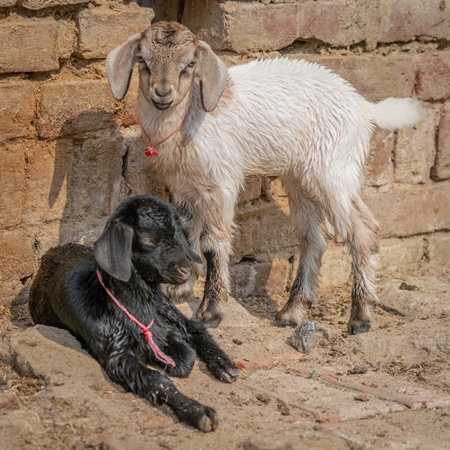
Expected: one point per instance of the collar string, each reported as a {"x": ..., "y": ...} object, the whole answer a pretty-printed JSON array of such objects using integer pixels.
[
  {"x": 145, "y": 329},
  {"x": 150, "y": 149}
]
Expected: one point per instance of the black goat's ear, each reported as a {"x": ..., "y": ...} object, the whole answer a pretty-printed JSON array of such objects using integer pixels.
[
  {"x": 113, "y": 250},
  {"x": 190, "y": 254}
]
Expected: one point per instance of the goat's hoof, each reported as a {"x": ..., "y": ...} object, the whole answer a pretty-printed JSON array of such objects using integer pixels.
[
  {"x": 210, "y": 319},
  {"x": 358, "y": 326},
  {"x": 283, "y": 322},
  {"x": 209, "y": 421},
  {"x": 230, "y": 376}
]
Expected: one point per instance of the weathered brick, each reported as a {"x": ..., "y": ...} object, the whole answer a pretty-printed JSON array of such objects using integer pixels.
[
  {"x": 441, "y": 170},
  {"x": 242, "y": 26},
  {"x": 262, "y": 228},
  {"x": 256, "y": 279},
  {"x": 95, "y": 25},
  {"x": 403, "y": 20},
  {"x": 439, "y": 249},
  {"x": 94, "y": 178},
  {"x": 252, "y": 189},
  {"x": 433, "y": 78},
  {"x": 421, "y": 209},
  {"x": 12, "y": 177},
  {"x": 7, "y": 3},
  {"x": 17, "y": 110},
  {"x": 378, "y": 170},
  {"x": 336, "y": 265},
  {"x": 138, "y": 176},
  {"x": 74, "y": 107},
  {"x": 35, "y": 44},
  {"x": 402, "y": 253},
  {"x": 414, "y": 153},
  {"x": 375, "y": 76},
  {"x": 17, "y": 258},
  {"x": 41, "y": 4}
]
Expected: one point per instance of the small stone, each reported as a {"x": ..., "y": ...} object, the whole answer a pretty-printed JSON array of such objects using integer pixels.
[{"x": 303, "y": 338}]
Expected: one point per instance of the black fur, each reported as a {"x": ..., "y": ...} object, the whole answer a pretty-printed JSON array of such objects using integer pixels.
[{"x": 141, "y": 247}]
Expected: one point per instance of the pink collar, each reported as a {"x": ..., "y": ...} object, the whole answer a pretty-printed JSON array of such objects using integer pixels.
[
  {"x": 145, "y": 329},
  {"x": 150, "y": 149}
]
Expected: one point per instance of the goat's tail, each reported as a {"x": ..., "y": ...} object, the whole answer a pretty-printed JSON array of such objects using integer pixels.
[{"x": 395, "y": 113}]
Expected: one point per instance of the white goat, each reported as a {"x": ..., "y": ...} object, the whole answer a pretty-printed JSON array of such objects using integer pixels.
[{"x": 290, "y": 118}]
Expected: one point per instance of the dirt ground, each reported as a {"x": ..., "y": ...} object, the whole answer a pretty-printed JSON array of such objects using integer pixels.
[{"x": 385, "y": 389}]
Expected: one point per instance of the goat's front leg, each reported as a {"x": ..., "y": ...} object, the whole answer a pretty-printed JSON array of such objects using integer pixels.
[
  {"x": 125, "y": 369},
  {"x": 216, "y": 284},
  {"x": 217, "y": 361}
]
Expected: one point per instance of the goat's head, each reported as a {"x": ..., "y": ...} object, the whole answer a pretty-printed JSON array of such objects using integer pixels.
[
  {"x": 170, "y": 58},
  {"x": 145, "y": 232}
]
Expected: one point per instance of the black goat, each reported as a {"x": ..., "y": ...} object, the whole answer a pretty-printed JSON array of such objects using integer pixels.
[{"x": 77, "y": 288}]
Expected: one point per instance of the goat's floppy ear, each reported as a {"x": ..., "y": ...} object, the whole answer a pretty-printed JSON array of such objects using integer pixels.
[
  {"x": 213, "y": 75},
  {"x": 119, "y": 66},
  {"x": 191, "y": 255},
  {"x": 113, "y": 250}
]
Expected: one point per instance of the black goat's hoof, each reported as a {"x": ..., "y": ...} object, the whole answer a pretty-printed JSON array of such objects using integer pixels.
[
  {"x": 209, "y": 421},
  {"x": 229, "y": 376}
]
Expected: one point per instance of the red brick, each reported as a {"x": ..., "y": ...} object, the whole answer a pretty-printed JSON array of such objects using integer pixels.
[
  {"x": 403, "y": 20},
  {"x": 95, "y": 25},
  {"x": 441, "y": 170},
  {"x": 75, "y": 107},
  {"x": 419, "y": 210},
  {"x": 17, "y": 110},
  {"x": 35, "y": 44},
  {"x": 433, "y": 78}
]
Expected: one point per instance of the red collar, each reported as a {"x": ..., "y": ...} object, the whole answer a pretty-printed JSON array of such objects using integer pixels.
[
  {"x": 145, "y": 329},
  {"x": 150, "y": 149}
]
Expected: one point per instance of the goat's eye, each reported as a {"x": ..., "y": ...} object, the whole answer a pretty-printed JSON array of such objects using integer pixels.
[{"x": 191, "y": 64}]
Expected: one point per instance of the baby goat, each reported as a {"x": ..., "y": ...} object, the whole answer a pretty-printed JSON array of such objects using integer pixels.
[
  {"x": 110, "y": 298},
  {"x": 213, "y": 126}
]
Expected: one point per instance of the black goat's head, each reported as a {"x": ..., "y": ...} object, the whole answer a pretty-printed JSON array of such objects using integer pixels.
[{"x": 146, "y": 233}]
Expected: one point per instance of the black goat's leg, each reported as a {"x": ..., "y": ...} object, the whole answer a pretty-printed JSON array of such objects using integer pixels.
[
  {"x": 217, "y": 361},
  {"x": 126, "y": 370}
]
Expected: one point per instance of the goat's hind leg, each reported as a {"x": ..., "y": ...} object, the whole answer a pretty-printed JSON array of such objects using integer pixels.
[
  {"x": 363, "y": 243},
  {"x": 126, "y": 370},
  {"x": 307, "y": 218}
]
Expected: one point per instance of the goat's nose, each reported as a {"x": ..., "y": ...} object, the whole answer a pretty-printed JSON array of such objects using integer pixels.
[
  {"x": 184, "y": 271},
  {"x": 163, "y": 93}
]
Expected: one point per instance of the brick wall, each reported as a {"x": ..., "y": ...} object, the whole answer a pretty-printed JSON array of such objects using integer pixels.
[{"x": 69, "y": 152}]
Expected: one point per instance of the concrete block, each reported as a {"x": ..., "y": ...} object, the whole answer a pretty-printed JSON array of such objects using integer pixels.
[
  {"x": 441, "y": 169},
  {"x": 415, "y": 150},
  {"x": 418, "y": 210},
  {"x": 439, "y": 249},
  {"x": 12, "y": 178},
  {"x": 95, "y": 26},
  {"x": 375, "y": 76},
  {"x": 433, "y": 77},
  {"x": 32, "y": 45},
  {"x": 403, "y": 20},
  {"x": 378, "y": 170},
  {"x": 41, "y": 4},
  {"x": 17, "y": 110},
  {"x": 73, "y": 107}
]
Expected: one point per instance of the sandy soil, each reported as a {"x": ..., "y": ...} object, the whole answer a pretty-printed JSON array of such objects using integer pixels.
[{"x": 388, "y": 388}]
